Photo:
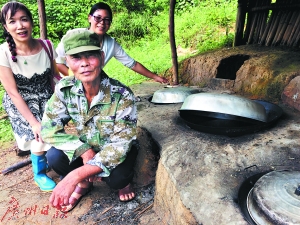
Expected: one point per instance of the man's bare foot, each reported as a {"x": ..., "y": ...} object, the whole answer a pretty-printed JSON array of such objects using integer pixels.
[
  {"x": 127, "y": 193},
  {"x": 81, "y": 190}
]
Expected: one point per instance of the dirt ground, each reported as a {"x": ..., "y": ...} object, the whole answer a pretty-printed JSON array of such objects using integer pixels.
[{"x": 22, "y": 202}]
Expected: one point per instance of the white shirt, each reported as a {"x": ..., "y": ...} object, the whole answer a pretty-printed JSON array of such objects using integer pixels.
[{"x": 110, "y": 47}]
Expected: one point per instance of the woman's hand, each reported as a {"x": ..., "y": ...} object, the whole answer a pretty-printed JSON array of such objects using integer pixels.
[
  {"x": 36, "y": 129},
  {"x": 161, "y": 80}
]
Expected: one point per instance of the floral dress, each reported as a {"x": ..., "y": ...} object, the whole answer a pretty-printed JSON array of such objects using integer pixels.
[{"x": 32, "y": 75}]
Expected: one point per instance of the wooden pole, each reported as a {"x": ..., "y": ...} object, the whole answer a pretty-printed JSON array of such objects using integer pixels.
[
  {"x": 274, "y": 25},
  {"x": 249, "y": 20},
  {"x": 263, "y": 26},
  {"x": 278, "y": 28},
  {"x": 252, "y": 29},
  {"x": 263, "y": 21},
  {"x": 295, "y": 38},
  {"x": 290, "y": 29},
  {"x": 269, "y": 25},
  {"x": 290, "y": 38},
  {"x": 42, "y": 19},
  {"x": 16, "y": 166},
  {"x": 283, "y": 28},
  {"x": 172, "y": 41},
  {"x": 240, "y": 22}
]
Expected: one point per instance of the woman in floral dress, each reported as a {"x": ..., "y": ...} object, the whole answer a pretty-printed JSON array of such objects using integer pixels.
[{"x": 25, "y": 72}]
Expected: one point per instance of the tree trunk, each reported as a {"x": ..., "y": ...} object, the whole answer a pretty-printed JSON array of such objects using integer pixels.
[
  {"x": 42, "y": 19},
  {"x": 172, "y": 41}
]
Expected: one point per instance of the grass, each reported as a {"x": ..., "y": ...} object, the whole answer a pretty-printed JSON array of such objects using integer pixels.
[
  {"x": 206, "y": 27},
  {"x": 214, "y": 29}
]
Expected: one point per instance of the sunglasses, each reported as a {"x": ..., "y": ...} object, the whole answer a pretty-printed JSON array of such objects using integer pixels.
[{"x": 99, "y": 19}]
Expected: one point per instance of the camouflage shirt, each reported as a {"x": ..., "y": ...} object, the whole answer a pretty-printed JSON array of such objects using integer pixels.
[{"x": 108, "y": 126}]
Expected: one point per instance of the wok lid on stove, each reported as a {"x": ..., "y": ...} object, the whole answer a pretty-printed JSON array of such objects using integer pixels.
[
  {"x": 231, "y": 127},
  {"x": 224, "y": 106},
  {"x": 172, "y": 94},
  {"x": 272, "y": 199}
]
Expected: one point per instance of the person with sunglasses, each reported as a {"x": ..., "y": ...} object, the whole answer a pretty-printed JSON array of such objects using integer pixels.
[{"x": 100, "y": 19}]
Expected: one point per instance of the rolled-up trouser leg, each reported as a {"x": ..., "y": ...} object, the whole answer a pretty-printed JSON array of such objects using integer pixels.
[
  {"x": 122, "y": 175},
  {"x": 60, "y": 162},
  {"x": 119, "y": 177}
]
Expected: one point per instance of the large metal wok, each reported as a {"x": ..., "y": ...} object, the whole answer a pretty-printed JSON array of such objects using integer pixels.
[{"x": 230, "y": 125}]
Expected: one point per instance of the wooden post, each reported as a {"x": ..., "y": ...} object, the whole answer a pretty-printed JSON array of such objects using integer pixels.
[
  {"x": 249, "y": 22},
  {"x": 240, "y": 22},
  {"x": 172, "y": 41},
  {"x": 42, "y": 19},
  {"x": 293, "y": 31}
]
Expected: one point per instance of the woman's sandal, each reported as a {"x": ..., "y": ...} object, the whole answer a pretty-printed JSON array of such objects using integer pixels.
[
  {"x": 79, "y": 190},
  {"x": 124, "y": 191}
]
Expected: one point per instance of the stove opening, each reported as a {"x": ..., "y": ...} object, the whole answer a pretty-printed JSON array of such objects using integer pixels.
[{"x": 229, "y": 66}]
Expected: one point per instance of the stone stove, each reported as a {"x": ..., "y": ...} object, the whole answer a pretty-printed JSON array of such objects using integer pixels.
[{"x": 199, "y": 174}]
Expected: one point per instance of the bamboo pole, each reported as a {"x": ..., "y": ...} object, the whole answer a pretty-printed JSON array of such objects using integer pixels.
[
  {"x": 284, "y": 21},
  {"x": 284, "y": 27},
  {"x": 249, "y": 21},
  {"x": 290, "y": 28},
  {"x": 257, "y": 28},
  {"x": 252, "y": 30},
  {"x": 262, "y": 21},
  {"x": 279, "y": 27},
  {"x": 297, "y": 23},
  {"x": 269, "y": 25},
  {"x": 273, "y": 28},
  {"x": 295, "y": 38},
  {"x": 263, "y": 26}
]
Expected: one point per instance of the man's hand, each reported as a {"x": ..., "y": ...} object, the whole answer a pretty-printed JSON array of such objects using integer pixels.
[
  {"x": 94, "y": 178},
  {"x": 88, "y": 155},
  {"x": 62, "y": 192}
]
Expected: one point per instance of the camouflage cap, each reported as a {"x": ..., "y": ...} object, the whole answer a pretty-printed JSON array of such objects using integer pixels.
[{"x": 76, "y": 41}]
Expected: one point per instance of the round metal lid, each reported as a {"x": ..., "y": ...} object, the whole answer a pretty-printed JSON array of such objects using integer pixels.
[
  {"x": 172, "y": 94},
  {"x": 222, "y": 105},
  {"x": 256, "y": 214},
  {"x": 273, "y": 200}
]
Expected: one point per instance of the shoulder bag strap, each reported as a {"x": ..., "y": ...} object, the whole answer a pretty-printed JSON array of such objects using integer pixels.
[
  {"x": 51, "y": 59},
  {"x": 46, "y": 49},
  {"x": 50, "y": 48}
]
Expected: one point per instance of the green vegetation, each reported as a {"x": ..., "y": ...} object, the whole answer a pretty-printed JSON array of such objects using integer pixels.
[{"x": 141, "y": 27}]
